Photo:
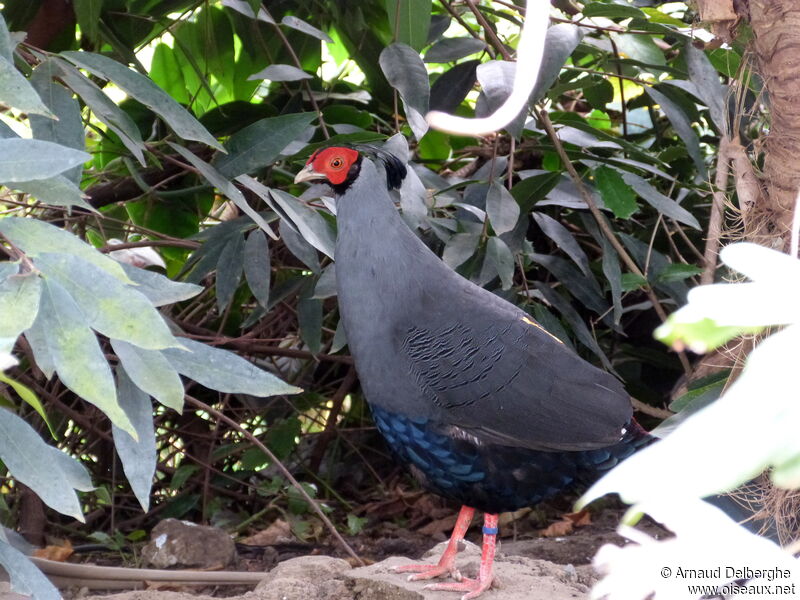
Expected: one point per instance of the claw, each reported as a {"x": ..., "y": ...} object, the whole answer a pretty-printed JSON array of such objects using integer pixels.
[
  {"x": 473, "y": 587},
  {"x": 422, "y": 572}
]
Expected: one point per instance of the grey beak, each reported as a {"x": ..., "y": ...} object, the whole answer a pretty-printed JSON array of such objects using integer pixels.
[{"x": 308, "y": 174}]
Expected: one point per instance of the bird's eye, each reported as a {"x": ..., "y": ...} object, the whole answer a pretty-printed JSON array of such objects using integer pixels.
[{"x": 336, "y": 163}]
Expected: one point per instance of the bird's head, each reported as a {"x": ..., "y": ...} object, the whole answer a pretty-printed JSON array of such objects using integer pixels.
[{"x": 339, "y": 166}]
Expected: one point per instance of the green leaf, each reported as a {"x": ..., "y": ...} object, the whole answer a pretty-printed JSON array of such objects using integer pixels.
[
  {"x": 68, "y": 129},
  {"x": 160, "y": 290},
  {"x": 108, "y": 113},
  {"x": 314, "y": 229},
  {"x": 6, "y": 44},
  {"x": 87, "y": 12},
  {"x": 663, "y": 204},
  {"x": 678, "y": 272},
  {"x": 29, "y": 460},
  {"x": 56, "y": 191},
  {"x": 25, "y": 159},
  {"x": 632, "y": 281},
  {"x": 229, "y": 270},
  {"x": 410, "y": 20},
  {"x": 612, "y": 10},
  {"x": 280, "y": 73},
  {"x": 138, "y": 455},
  {"x": 35, "y": 237},
  {"x": 309, "y": 315},
  {"x": 259, "y": 144},
  {"x": 405, "y": 71},
  {"x": 300, "y": 25},
  {"x": 617, "y": 195},
  {"x": 30, "y": 397},
  {"x": 450, "y": 49},
  {"x": 76, "y": 354},
  {"x": 459, "y": 248},
  {"x": 17, "y": 92},
  {"x": 682, "y": 126},
  {"x": 225, "y": 371},
  {"x": 148, "y": 93},
  {"x": 563, "y": 239},
  {"x": 19, "y": 303},
  {"x": 112, "y": 308},
  {"x": 700, "y": 336},
  {"x": 560, "y": 41},
  {"x": 501, "y": 208},
  {"x": 501, "y": 259},
  {"x": 257, "y": 266},
  {"x": 640, "y": 48},
  {"x": 152, "y": 373},
  {"x": 707, "y": 80},
  {"x": 25, "y": 578},
  {"x": 223, "y": 184}
]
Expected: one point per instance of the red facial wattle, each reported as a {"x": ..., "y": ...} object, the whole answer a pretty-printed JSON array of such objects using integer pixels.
[{"x": 334, "y": 163}]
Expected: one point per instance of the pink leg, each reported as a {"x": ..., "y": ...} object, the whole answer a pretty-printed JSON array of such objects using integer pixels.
[
  {"x": 447, "y": 561},
  {"x": 475, "y": 587}
]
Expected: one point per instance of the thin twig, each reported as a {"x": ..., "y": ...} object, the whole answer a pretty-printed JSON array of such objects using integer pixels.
[
  {"x": 490, "y": 33},
  {"x": 465, "y": 25},
  {"x": 653, "y": 411},
  {"x": 282, "y": 468},
  {"x": 604, "y": 226},
  {"x": 715, "y": 220}
]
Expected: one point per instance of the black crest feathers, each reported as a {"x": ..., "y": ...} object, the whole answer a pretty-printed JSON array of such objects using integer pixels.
[{"x": 396, "y": 170}]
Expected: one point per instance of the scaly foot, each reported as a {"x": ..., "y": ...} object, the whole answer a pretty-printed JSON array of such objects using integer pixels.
[
  {"x": 429, "y": 571},
  {"x": 473, "y": 587}
]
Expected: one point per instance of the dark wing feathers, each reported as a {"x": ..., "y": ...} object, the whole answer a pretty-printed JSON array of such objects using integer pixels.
[{"x": 500, "y": 377}]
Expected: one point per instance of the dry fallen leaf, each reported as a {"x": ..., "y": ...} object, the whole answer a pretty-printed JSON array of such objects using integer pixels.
[
  {"x": 278, "y": 531},
  {"x": 582, "y": 518},
  {"x": 57, "y": 553},
  {"x": 557, "y": 529}
]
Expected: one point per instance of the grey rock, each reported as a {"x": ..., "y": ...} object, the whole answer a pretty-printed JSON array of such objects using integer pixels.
[{"x": 175, "y": 543}]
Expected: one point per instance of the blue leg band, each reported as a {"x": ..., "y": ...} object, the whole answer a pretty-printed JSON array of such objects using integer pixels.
[{"x": 490, "y": 530}]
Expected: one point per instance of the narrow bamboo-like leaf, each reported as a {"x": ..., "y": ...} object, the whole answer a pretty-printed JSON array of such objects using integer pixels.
[
  {"x": 683, "y": 127},
  {"x": 298, "y": 246},
  {"x": 280, "y": 73},
  {"x": 88, "y": 13},
  {"x": 19, "y": 303},
  {"x": 35, "y": 237},
  {"x": 612, "y": 11},
  {"x": 584, "y": 288},
  {"x": 611, "y": 268},
  {"x": 452, "y": 86},
  {"x": 308, "y": 222},
  {"x": 138, "y": 455},
  {"x": 259, "y": 144},
  {"x": 108, "y": 113},
  {"x": 309, "y": 316},
  {"x": 225, "y": 371},
  {"x": 326, "y": 284},
  {"x": 37, "y": 340},
  {"x": 711, "y": 90},
  {"x": 68, "y": 129},
  {"x": 6, "y": 44},
  {"x": 30, "y": 397},
  {"x": 148, "y": 93},
  {"x": 563, "y": 239},
  {"x": 25, "y": 159},
  {"x": 502, "y": 209},
  {"x": 229, "y": 270},
  {"x": 498, "y": 253},
  {"x": 300, "y": 25},
  {"x": 405, "y": 71},
  {"x": 617, "y": 195},
  {"x": 248, "y": 9},
  {"x": 409, "y": 21},
  {"x": 56, "y": 191},
  {"x": 76, "y": 354},
  {"x": 663, "y": 204},
  {"x": 223, "y": 184},
  {"x": 28, "y": 459},
  {"x": 25, "y": 578},
  {"x": 560, "y": 41},
  {"x": 113, "y": 309},
  {"x": 17, "y": 92},
  {"x": 152, "y": 373},
  {"x": 160, "y": 290},
  {"x": 450, "y": 49},
  {"x": 257, "y": 266},
  {"x": 76, "y": 473}
]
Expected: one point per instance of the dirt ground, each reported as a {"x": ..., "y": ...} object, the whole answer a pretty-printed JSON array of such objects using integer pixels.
[{"x": 528, "y": 566}]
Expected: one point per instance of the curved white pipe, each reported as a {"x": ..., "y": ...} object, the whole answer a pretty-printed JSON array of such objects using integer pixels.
[{"x": 529, "y": 59}]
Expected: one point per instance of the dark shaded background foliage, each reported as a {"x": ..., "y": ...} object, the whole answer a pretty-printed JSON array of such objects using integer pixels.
[{"x": 642, "y": 151}]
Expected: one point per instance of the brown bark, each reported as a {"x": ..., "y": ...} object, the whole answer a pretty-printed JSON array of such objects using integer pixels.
[
  {"x": 32, "y": 519},
  {"x": 51, "y": 19},
  {"x": 776, "y": 30}
]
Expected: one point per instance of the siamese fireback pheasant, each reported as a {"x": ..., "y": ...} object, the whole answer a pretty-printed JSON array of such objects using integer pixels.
[{"x": 485, "y": 406}]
